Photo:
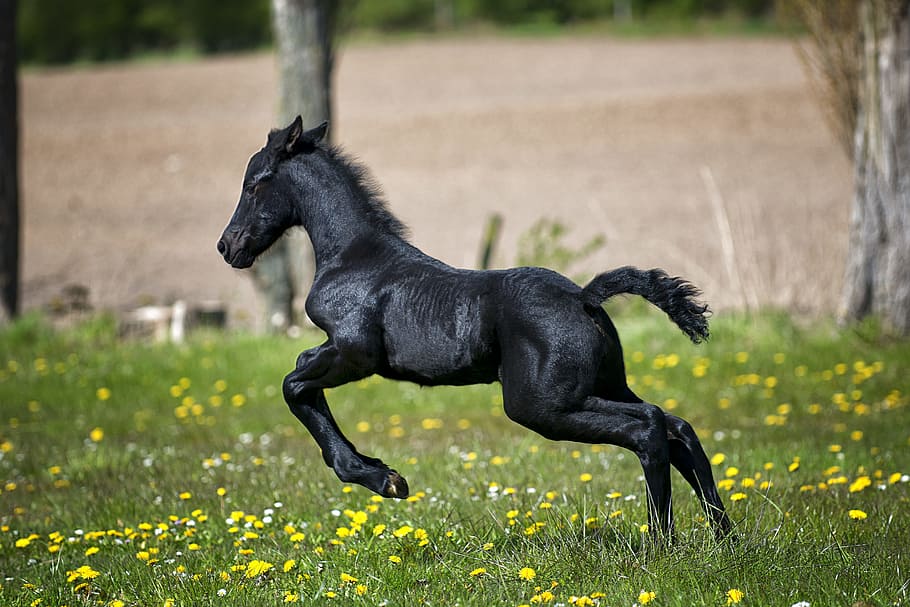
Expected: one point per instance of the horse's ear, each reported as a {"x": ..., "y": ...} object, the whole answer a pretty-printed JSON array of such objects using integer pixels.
[
  {"x": 317, "y": 134},
  {"x": 298, "y": 140},
  {"x": 294, "y": 137}
]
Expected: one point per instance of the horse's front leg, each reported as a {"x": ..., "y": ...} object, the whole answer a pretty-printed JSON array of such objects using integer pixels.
[
  {"x": 327, "y": 366},
  {"x": 307, "y": 403}
]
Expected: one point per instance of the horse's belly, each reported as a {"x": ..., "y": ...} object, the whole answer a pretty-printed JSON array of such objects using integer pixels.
[{"x": 437, "y": 357}]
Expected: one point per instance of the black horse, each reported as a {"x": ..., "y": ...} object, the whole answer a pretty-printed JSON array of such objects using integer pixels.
[{"x": 390, "y": 309}]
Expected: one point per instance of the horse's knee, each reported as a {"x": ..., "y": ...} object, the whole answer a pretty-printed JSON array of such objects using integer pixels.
[
  {"x": 680, "y": 429},
  {"x": 654, "y": 421},
  {"x": 653, "y": 443},
  {"x": 292, "y": 390}
]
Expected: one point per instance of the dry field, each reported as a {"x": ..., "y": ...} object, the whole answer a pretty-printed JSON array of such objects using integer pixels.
[{"x": 131, "y": 171}]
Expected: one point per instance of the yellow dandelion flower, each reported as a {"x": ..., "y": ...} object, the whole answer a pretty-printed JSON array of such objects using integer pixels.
[
  {"x": 348, "y": 579},
  {"x": 717, "y": 459},
  {"x": 360, "y": 590},
  {"x": 645, "y": 597},
  {"x": 734, "y": 596},
  {"x": 585, "y": 477},
  {"x": 291, "y": 597},
  {"x": 738, "y": 496},
  {"x": 527, "y": 574},
  {"x": 402, "y": 531},
  {"x": 185, "y": 495},
  {"x": 256, "y": 568},
  {"x": 103, "y": 393},
  {"x": 92, "y": 550},
  {"x": 859, "y": 484},
  {"x": 544, "y": 597},
  {"x": 82, "y": 573},
  {"x": 477, "y": 572},
  {"x": 394, "y": 559},
  {"x": 288, "y": 565},
  {"x": 96, "y": 435},
  {"x": 857, "y": 515}
]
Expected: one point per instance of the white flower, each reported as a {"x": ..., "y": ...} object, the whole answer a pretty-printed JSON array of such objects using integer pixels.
[{"x": 800, "y": 604}]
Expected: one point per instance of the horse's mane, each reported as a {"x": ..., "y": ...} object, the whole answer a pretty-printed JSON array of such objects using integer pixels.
[{"x": 358, "y": 176}]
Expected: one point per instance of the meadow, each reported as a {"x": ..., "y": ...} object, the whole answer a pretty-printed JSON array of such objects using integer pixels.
[{"x": 172, "y": 475}]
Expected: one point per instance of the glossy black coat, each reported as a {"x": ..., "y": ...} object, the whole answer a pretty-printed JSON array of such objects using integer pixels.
[{"x": 390, "y": 309}]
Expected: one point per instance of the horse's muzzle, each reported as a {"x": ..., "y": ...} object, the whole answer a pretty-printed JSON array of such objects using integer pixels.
[{"x": 234, "y": 250}]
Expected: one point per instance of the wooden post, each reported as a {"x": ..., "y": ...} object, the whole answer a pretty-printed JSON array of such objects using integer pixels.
[{"x": 9, "y": 164}]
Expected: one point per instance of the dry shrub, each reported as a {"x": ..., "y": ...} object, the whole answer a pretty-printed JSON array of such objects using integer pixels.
[{"x": 832, "y": 55}]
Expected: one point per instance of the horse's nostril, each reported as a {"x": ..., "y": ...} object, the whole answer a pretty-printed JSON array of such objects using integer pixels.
[{"x": 222, "y": 247}]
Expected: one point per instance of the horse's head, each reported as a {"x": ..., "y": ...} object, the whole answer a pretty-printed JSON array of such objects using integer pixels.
[{"x": 267, "y": 202}]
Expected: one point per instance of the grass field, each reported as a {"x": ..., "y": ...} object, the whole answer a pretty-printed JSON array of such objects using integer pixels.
[{"x": 143, "y": 475}]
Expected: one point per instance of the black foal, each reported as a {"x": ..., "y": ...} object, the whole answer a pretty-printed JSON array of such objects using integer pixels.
[{"x": 389, "y": 309}]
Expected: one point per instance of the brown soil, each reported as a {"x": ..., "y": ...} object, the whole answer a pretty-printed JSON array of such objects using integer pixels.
[{"x": 130, "y": 172}]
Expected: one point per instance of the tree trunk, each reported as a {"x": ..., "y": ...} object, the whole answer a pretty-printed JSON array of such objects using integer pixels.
[
  {"x": 303, "y": 38},
  {"x": 877, "y": 279},
  {"x": 9, "y": 165}
]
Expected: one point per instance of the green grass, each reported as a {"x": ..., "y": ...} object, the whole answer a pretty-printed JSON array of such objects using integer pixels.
[{"x": 171, "y": 474}]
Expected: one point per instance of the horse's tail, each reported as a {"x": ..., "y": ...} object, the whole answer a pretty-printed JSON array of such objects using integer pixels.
[{"x": 675, "y": 296}]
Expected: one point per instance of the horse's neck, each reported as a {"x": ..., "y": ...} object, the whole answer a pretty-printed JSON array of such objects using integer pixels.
[
  {"x": 335, "y": 224},
  {"x": 346, "y": 212}
]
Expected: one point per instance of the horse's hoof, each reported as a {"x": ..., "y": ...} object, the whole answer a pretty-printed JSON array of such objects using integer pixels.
[{"x": 394, "y": 486}]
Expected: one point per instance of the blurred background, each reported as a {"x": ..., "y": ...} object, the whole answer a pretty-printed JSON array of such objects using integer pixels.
[{"x": 685, "y": 134}]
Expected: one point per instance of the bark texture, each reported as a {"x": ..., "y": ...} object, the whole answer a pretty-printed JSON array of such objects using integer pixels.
[
  {"x": 877, "y": 279},
  {"x": 9, "y": 165},
  {"x": 304, "y": 32}
]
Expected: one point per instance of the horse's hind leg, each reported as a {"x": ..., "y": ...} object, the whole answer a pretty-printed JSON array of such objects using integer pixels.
[
  {"x": 639, "y": 428},
  {"x": 311, "y": 408},
  {"x": 688, "y": 457}
]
